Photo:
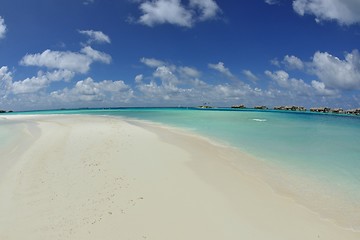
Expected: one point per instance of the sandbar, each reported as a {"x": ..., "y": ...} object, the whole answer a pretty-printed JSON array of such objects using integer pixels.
[{"x": 96, "y": 177}]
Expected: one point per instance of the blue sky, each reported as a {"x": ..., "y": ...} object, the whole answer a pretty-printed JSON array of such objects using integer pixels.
[{"x": 92, "y": 53}]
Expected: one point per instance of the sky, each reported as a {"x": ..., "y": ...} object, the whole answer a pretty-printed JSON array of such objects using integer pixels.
[{"x": 169, "y": 53}]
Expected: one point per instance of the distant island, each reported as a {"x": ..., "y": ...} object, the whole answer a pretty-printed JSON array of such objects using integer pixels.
[
  {"x": 355, "y": 111},
  {"x": 4, "y": 111}
]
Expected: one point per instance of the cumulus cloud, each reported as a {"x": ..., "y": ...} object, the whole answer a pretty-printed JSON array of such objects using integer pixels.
[
  {"x": 345, "y": 12},
  {"x": 241, "y": 93},
  {"x": 280, "y": 77},
  {"x": 2, "y": 28},
  {"x": 30, "y": 85},
  {"x": 157, "y": 93},
  {"x": 283, "y": 79},
  {"x": 5, "y": 80},
  {"x": 95, "y": 36},
  {"x": 292, "y": 62},
  {"x": 220, "y": 67},
  {"x": 208, "y": 8},
  {"x": 184, "y": 71},
  {"x": 250, "y": 75},
  {"x": 174, "y": 12},
  {"x": 90, "y": 91},
  {"x": 167, "y": 82},
  {"x": 299, "y": 86},
  {"x": 168, "y": 89},
  {"x": 60, "y": 60},
  {"x": 95, "y": 55},
  {"x": 152, "y": 62},
  {"x": 336, "y": 73},
  {"x": 168, "y": 78},
  {"x": 58, "y": 75},
  {"x": 189, "y": 72},
  {"x": 333, "y": 74},
  {"x": 181, "y": 85},
  {"x": 60, "y": 65},
  {"x": 139, "y": 78},
  {"x": 41, "y": 81},
  {"x": 321, "y": 89},
  {"x": 165, "y": 11},
  {"x": 78, "y": 62}
]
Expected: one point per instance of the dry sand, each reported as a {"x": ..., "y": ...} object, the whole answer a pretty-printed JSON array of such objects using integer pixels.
[{"x": 92, "y": 177}]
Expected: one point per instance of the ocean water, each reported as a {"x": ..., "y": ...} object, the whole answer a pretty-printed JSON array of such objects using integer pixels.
[
  {"x": 10, "y": 134},
  {"x": 312, "y": 158},
  {"x": 7, "y": 130}
]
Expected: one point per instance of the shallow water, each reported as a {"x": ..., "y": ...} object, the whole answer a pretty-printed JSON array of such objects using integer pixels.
[
  {"x": 7, "y": 133},
  {"x": 11, "y": 137},
  {"x": 315, "y": 157}
]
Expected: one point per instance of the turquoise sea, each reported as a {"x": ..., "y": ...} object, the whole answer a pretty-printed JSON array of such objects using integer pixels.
[{"x": 312, "y": 158}]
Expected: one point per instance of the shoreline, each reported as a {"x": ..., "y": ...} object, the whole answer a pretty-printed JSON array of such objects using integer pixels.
[
  {"x": 22, "y": 134},
  {"x": 90, "y": 176},
  {"x": 268, "y": 173}
]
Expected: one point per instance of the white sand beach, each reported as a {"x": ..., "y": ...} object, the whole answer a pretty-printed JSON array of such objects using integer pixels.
[{"x": 93, "y": 177}]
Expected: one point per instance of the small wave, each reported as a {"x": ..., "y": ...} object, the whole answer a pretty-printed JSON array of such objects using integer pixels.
[{"x": 259, "y": 120}]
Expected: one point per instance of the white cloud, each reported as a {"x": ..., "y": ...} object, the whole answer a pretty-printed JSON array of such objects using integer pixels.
[
  {"x": 181, "y": 85},
  {"x": 96, "y": 36},
  {"x": 95, "y": 55},
  {"x": 174, "y": 12},
  {"x": 88, "y": 90},
  {"x": 78, "y": 62},
  {"x": 345, "y": 12},
  {"x": 292, "y": 62},
  {"x": 169, "y": 74},
  {"x": 321, "y": 89},
  {"x": 333, "y": 72},
  {"x": 337, "y": 73},
  {"x": 185, "y": 72},
  {"x": 208, "y": 8},
  {"x": 139, "y": 78},
  {"x": 58, "y": 75},
  {"x": 5, "y": 80},
  {"x": 298, "y": 87},
  {"x": 189, "y": 72},
  {"x": 165, "y": 11},
  {"x": 226, "y": 91},
  {"x": 220, "y": 67},
  {"x": 5, "y": 74},
  {"x": 197, "y": 83},
  {"x": 168, "y": 89},
  {"x": 152, "y": 62},
  {"x": 2, "y": 28},
  {"x": 30, "y": 85},
  {"x": 72, "y": 61},
  {"x": 250, "y": 75},
  {"x": 168, "y": 85},
  {"x": 154, "y": 93},
  {"x": 229, "y": 94},
  {"x": 41, "y": 81},
  {"x": 168, "y": 78},
  {"x": 33, "y": 84},
  {"x": 272, "y": 2},
  {"x": 171, "y": 88},
  {"x": 280, "y": 77}
]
